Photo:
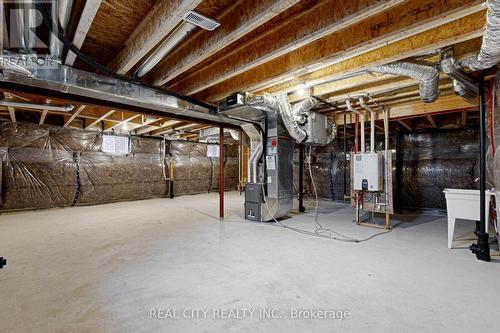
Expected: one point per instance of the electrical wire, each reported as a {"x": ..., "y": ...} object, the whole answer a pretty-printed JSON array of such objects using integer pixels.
[
  {"x": 320, "y": 230},
  {"x": 59, "y": 33}
]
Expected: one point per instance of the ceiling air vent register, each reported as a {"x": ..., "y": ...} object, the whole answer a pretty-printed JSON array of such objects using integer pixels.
[{"x": 200, "y": 20}]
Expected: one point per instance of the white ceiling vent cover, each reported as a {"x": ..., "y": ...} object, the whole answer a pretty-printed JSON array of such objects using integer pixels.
[{"x": 200, "y": 20}]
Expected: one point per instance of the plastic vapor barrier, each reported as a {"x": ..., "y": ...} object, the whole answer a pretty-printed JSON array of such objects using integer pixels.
[
  {"x": 432, "y": 161},
  {"x": 194, "y": 172},
  {"x": 55, "y": 167},
  {"x": 435, "y": 160}
]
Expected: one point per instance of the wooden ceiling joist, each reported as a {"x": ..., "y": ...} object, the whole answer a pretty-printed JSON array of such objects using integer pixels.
[
  {"x": 126, "y": 118},
  {"x": 167, "y": 129},
  {"x": 431, "y": 121},
  {"x": 240, "y": 19},
  {"x": 157, "y": 24},
  {"x": 349, "y": 83},
  {"x": 12, "y": 110},
  {"x": 101, "y": 118},
  {"x": 144, "y": 122},
  {"x": 406, "y": 124},
  {"x": 463, "y": 118},
  {"x": 88, "y": 15},
  {"x": 324, "y": 18},
  {"x": 44, "y": 113},
  {"x": 74, "y": 115},
  {"x": 168, "y": 123},
  {"x": 362, "y": 43},
  {"x": 417, "y": 108},
  {"x": 462, "y": 32}
]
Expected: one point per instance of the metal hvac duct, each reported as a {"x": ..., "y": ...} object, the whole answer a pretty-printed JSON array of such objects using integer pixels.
[
  {"x": 463, "y": 83},
  {"x": 300, "y": 110},
  {"x": 61, "y": 81},
  {"x": 461, "y": 90},
  {"x": 280, "y": 103},
  {"x": 63, "y": 12},
  {"x": 11, "y": 65},
  {"x": 427, "y": 75},
  {"x": 489, "y": 55},
  {"x": 302, "y": 124},
  {"x": 316, "y": 126}
]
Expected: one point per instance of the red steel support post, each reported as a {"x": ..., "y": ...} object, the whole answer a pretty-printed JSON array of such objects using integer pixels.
[{"x": 221, "y": 173}]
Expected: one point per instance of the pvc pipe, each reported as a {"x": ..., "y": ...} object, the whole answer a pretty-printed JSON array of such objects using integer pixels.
[
  {"x": 252, "y": 163},
  {"x": 49, "y": 107},
  {"x": 482, "y": 248},
  {"x": 165, "y": 48},
  {"x": 372, "y": 123},
  {"x": 249, "y": 164},
  {"x": 255, "y": 161},
  {"x": 362, "y": 116}
]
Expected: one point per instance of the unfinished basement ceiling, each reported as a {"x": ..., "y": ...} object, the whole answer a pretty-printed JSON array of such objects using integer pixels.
[
  {"x": 275, "y": 46},
  {"x": 311, "y": 47}
]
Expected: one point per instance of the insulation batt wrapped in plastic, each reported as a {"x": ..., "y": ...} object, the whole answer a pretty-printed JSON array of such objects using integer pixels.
[
  {"x": 194, "y": 172},
  {"x": 435, "y": 160},
  {"x": 55, "y": 167},
  {"x": 432, "y": 160}
]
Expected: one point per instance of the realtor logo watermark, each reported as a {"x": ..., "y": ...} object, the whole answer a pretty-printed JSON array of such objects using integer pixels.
[
  {"x": 25, "y": 39},
  {"x": 248, "y": 313}
]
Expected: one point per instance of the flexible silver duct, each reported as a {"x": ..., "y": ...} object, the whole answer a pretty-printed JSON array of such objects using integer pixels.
[
  {"x": 302, "y": 114},
  {"x": 301, "y": 109},
  {"x": 332, "y": 132},
  {"x": 463, "y": 83},
  {"x": 280, "y": 104},
  {"x": 461, "y": 90},
  {"x": 288, "y": 119},
  {"x": 300, "y": 122},
  {"x": 489, "y": 55},
  {"x": 427, "y": 75}
]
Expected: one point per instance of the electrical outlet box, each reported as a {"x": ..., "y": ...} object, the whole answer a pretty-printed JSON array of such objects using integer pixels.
[{"x": 368, "y": 172}]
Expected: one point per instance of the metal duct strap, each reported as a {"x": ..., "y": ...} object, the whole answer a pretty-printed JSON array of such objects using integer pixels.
[{"x": 427, "y": 75}]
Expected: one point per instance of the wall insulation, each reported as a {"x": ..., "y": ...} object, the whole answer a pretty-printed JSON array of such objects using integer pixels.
[
  {"x": 48, "y": 166},
  {"x": 431, "y": 161}
]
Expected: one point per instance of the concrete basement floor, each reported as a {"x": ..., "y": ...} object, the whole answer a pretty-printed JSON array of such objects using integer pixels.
[{"x": 103, "y": 268}]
